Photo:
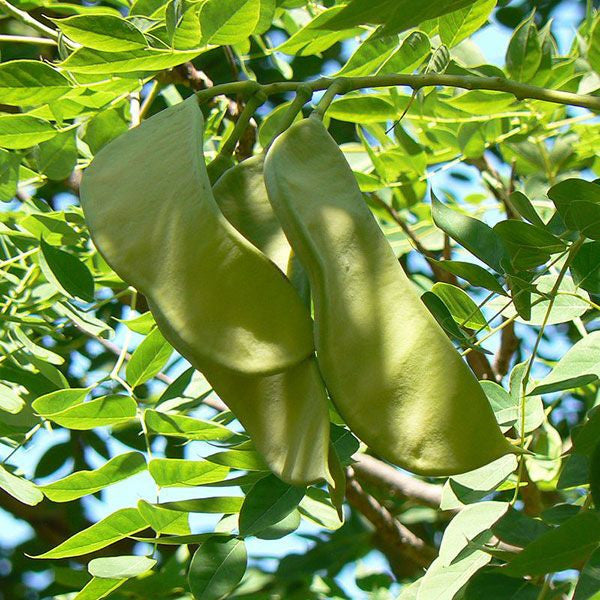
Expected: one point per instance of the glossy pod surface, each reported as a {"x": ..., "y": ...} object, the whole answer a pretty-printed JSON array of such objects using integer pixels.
[
  {"x": 394, "y": 376},
  {"x": 150, "y": 209}
]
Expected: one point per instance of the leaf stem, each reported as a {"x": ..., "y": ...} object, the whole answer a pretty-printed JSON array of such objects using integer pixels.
[{"x": 26, "y": 18}]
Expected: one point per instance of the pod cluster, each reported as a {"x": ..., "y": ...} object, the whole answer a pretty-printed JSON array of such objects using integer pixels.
[{"x": 229, "y": 270}]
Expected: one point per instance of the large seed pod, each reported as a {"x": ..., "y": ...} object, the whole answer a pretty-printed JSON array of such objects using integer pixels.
[
  {"x": 151, "y": 212},
  {"x": 393, "y": 374}
]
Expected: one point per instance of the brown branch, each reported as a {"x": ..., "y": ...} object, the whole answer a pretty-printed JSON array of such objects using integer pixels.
[
  {"x": 509, "y": 344},
  {"x": 399, "y": 541},
  {"x": 372, "y": 470}
]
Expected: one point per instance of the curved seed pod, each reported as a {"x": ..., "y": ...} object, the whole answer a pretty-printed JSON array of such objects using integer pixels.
[
  {"x": 286, "y": 415},
  {"x": 391, "y": 371},
  {"x": 149, "y": 205},
  {"x": 242, "y": 197}
]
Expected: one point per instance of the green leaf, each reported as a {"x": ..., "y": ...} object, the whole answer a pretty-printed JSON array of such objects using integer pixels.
[
  {"x": 458, "y": 25},
  {"x": 477, "y": 237},
  {"x": 225, "y": 22},
  {"x": 594, "y": 47},
  {"x": 595, "y": 477},
  {"x": 474, "y": 274},
  {"x": 588, "y": 586},
  {"x": 21, "y": 489},
  {"x": 269, "y": 501},
  {"x": 398, "y": 15},
  {"x": 481, "y": 102},
  {"x": 99, "y": 588},
  {"x": 239, "y": 459},
  {"x": 38, "y": 351},
  {"x": 457, "y": 562},
  {"x": 111, "y": 529},
  {"x": 87, "y": 60},
  {"x": 30, "y": 82},
  {"x": 534, "y": 408},
  {"x": 217, "y": 567},
  {"x": 58, "y": 401},
  {"x": 312, "y": 39},
  {"x": 442, "y": 315},
  {"x": 364, "y": 108},
  {"x": 58, "y": 156},
  {"x": 164, "y": 520},
  {"x": 148, "y": 359},
  {"x": 369, "y": 56},
  {"x": 518, "y": 529},
  {"x": 143, "y": 324},
  {"x": 461, "y": 306},
  {"x": 287, "y": 525},
  {"x": 23, "y": 131},
  {"x": 66, "y": 272},
  {"x": 560, "y": 548},
  {"x": 102, "y": 32},
  {"x": 317, "y": 507},
  {"x": 120, "y": 567},
  {"x": 486, "y": 585},
  {"x": 409, "y": 56},
  {"x": 103, "y": 127},
  {"x": 83, "y": 483},
  {"x": 173, "y": 472},
  {"x": 529, "y": 246},
  {"x": 521, "y": 203},
  {"x": 568, "y": 196},
  {"x": 524, "y": 53},
  {"x": 226, "y": 505},
  {"x": 101, "y": 412},
  {"x": 10, "y": 163},
  {"x": 10, "y": 401},
  {"x": 578, "y": 367},
  {"x": 185, "y": 427}
]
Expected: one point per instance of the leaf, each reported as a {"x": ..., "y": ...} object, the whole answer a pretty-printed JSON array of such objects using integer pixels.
[
  {"x": 410, "y": 55},
  {"x": 442, "y": 315},
  {"x": 369, "y": 56},
  {"x": 529, "y": 246},
  {"x": 398, "y": 15},
  {"x": 104, "y": 127},
  {"x": 239, "y": 459},
  {"x": 593, "y": 54},
  {"x": 117, "y": 526},
  {"x": 66, "y": 272},
  {"x": 570, "y": 191},
  {"x": 164, "y": 520},
  {"x": 560, "y": 548},
  {"x": 83, "y": 483},
  {"x": 225, "y": 22},
  {"x": 23, "y": 490},
  {"x": 456, "y": 562},
  {"x": 534, "y": 408},
  {"x": 520, "y": 202},
  {"x": 518, "y": 529},
  {"x": 143, "y": 324},
  {"x": 312, "y": 39},
  {"x": 87, "y": 322},
  {"x": 10, "y": 163},
  {"x": 217, "y": 567},
  {"x": 477, "y": 237},
  {"x": 120, "y": 567},
  {"x": 185, "y": 427},
  {"x": 474, "y": 274},
  {"x": 86, "y": 60},
  {"x": 226, "y": 505},
  {"x": 101, "y": 412},
  {"x": 10, "y": 401},
  {"x": 364, "y": 108},
  {"x": 594, "y": 477},
  {"x": 282, "y": 528},
  {"x": 58, "y": 156},
  {"x": 588, "y": 586},
  {"x": 102, "y": 32},
  {"x": 30, "y": 82},
  {"x": 579, "y": 366},
  {"x": 461, "y": 306},
  {"x": 58, "y": 401},
  {"x": 524, "y": 53},
  {"x": 486, "y": 585},
  {"x": 148, "y": 359},
  {"x": 99, "y": 588},
  {"x": 23, "y": 131},
  {"x": 173, "y": 472},
  {"x": 458, "y": 25},
  {"x": 317, "y": 507},
  {"x": 269, "y": 501}
]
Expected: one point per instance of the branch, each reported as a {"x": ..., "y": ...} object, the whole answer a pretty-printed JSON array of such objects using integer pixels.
[
  {"x": 400, "y": 541},
  {"x": 521, "y": 91},
  {"x": 374, "y": 471}
]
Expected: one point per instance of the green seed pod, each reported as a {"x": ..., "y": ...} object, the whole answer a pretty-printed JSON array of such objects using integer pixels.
[
  {"x": 242, "y": 197},
  {"x": 393, "y": 374},
  {"x": 150, "y": 209}
]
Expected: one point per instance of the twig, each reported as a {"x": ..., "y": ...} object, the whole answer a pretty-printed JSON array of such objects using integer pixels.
[
  {"x": 372, "y": 470},
  {"x": 400, "y": 540},
  {"x": 27, "y": 39},
  {"x": 26, "y": 18}
]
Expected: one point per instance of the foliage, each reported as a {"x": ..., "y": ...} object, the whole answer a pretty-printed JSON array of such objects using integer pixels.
[{"x": 482, "y": 179}]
